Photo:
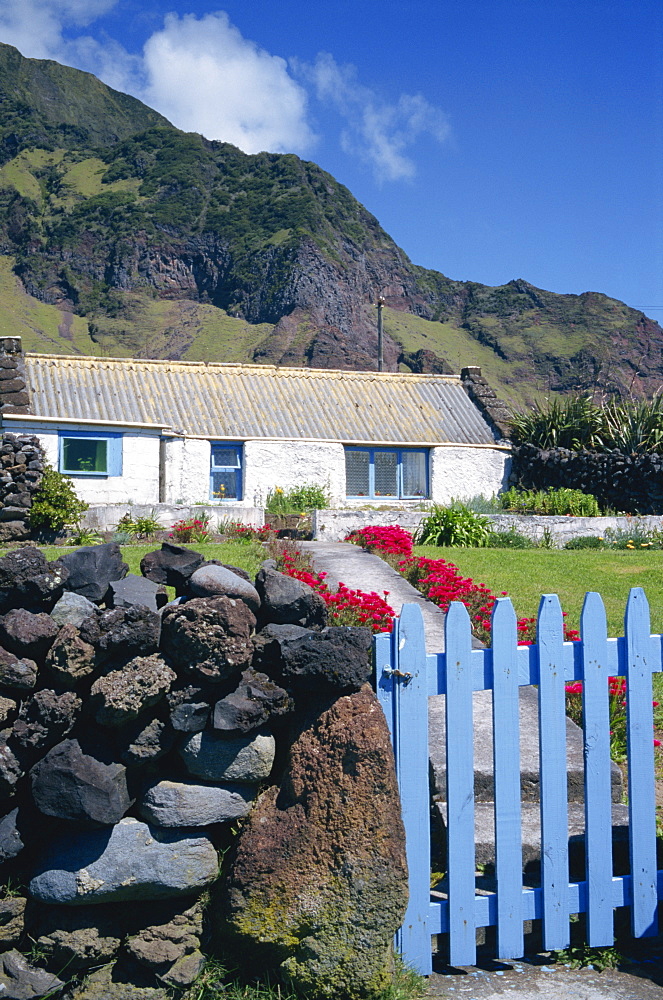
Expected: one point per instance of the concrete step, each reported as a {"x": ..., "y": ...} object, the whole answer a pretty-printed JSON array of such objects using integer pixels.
[
  {"x": 529, "y": 750},
  {"x": 484, "y": 834}
]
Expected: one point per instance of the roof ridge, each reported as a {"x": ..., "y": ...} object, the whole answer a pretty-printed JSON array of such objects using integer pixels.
[{"x": 284, "y": 370}]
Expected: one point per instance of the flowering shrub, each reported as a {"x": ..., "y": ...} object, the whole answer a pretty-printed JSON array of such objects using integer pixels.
[
  {"x": 191, "y": 529},
  {"x": 246, "y": 532},
  {"x": 346, "y": 607},
  {"x": 441, "y": 582},
  {"x": 392, "y": 540},
  {"x": 617, "y": 710}
]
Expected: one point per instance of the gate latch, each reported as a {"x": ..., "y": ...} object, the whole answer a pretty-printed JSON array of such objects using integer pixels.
[{"x": 388, "y": 672}]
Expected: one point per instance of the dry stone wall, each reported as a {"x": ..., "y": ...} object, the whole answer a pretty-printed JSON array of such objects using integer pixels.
[
  {"x": 140, "y": 733},
  {"x": 629, "y": 483},
  {"x": 21, "y": 471}
]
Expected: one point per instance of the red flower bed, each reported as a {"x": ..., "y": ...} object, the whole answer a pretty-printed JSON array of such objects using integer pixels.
[
  {"x": 441, "y": 582},
  {"x": 384, "y": 541},
  {"x": 346, "y": 607}
]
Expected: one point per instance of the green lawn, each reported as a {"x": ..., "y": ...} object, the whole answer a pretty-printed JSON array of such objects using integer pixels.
[{"x": 525, "y": 574}]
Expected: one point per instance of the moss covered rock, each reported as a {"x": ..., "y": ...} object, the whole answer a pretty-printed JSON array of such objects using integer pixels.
[{"x": 318, "y": 885}]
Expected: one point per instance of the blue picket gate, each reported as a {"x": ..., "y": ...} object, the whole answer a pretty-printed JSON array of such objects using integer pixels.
[{"x": 406, "y": 676}]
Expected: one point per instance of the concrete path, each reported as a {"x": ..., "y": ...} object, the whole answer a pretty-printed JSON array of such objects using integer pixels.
[
  {"x": 357, "y": 569},
  {"x": 639, "y": 980}
]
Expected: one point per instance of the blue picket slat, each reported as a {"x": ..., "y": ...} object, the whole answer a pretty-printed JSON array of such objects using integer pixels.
[
  {"x": 506, "y": 768},
  {"x": 596, "y": 743},
  {"x": 411, "y": 742},
  {"x": 405, "y": 675},
  {"x": 640, "y": 746},
  {"x": 552, "y": 770},
  {"x": 460, "y": 786}
]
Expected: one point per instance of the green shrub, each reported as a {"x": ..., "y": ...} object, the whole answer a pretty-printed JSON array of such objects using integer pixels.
[
  {"x": 510, "y": 539},
  {"x": 481, "y": 504},
  {"x": 585, "y": 542},
  {"x": 55, "y": 505},
  {"x": 633, "y": 538},
  {"x": 629, "y": 426},
  {"x": 298, "y": 500},
  {"x": 453, "y": 525},
  {"x": 139, "y": 527},
  {"x": 562, "y": 501}
]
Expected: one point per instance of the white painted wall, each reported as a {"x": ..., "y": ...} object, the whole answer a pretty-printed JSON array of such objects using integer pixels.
[
  {"x": 454, "y": 471},
  {"x": 139, "y": 482},
  {"x": 460, "y": 473},
  {"x": 187, "y": 470},
  {"x": 287, "y": 464}
]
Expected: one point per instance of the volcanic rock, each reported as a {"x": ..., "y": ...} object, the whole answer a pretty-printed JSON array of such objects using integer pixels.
[
  {"x": 75, "y": 786},
  {"x": 255, "y": 701},
  {"x": 10, "y": 770},
  {"x": 122, "y": 633},
  {"x": 45, "y": 718},
  {"x": 17, "y": 673},
  {"x": 11, "y": 840},
  {"x": 286, "y": 601},
  {"x": 27, "y": 634},
  {"x": 209, "y": 636},
  {"x": 185, "y": 803},
  {"x": 70, "y": 658},
  {"x": 122, "y": 695},
  {"x": 212, "y": 580},
  {"x": 134, "y": 590},
  {"x": 212, "y": 757},
  {"x": 326, "y": 852},
  {"x": 21, "y": 981},
  {"x": 12, "y": 920},
  {"x": 131, "y": 860},
  {"x": 27, "y": 580},
  {"x": 92, "y": 567},
  {"x": 336, "y": 658},
  {"x": 147, "y": 742},
  {"x": 172, "y": 565},
  {"x": 78, "y": 938},
  {"x": 72, "y": 609}
]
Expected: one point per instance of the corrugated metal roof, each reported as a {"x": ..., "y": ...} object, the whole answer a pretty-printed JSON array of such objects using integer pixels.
[{"x": 236, "y": 401}]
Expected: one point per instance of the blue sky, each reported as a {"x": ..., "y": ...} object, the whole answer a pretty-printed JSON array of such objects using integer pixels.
[{"x": 493, "y": 139}]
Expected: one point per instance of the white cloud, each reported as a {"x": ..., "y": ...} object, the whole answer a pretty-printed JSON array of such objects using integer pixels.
[
  {"x": 35, "y": 26},
  {"x": 378, "y": 132},
  {"x": 205, "y": 77}
]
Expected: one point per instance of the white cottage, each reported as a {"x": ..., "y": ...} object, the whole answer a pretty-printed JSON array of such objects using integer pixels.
[{"x": 188, "y": 432}]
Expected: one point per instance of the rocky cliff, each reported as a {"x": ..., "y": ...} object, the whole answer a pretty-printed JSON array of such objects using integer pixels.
[{"x": 109, "y": 213}]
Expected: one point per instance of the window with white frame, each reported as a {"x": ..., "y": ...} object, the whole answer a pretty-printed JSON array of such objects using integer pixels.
[
  {"x": 226, "y": 472},
  {"x": 83, "y": 453},
  {"x": 401, "y": 473}
]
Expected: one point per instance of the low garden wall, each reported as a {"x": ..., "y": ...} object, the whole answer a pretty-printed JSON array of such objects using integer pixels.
[
  {"x": 106, "y": 517},
  {"x": 148, "y": 746},
  {"x": 334, "y": 525}
]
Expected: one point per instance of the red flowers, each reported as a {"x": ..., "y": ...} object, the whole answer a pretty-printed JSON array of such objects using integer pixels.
[
  {"x": 384, "y": 541},
  {"x": 191, "y": 529},
  {"x": 617, "y": 708},
  {"x": 346, "y": 607}
]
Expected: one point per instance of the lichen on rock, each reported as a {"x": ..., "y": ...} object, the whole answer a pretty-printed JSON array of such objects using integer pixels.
[{"x": 318, "y": 885}]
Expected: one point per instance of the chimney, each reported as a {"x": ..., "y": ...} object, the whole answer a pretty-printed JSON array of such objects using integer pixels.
[{"x": 14, "y": 394}]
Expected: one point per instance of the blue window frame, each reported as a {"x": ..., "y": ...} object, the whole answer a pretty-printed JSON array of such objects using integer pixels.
[
  {"x": 226, "y": 471},
  {"x": 401, "y": 473},
  {"x": 87, "y": 453}
]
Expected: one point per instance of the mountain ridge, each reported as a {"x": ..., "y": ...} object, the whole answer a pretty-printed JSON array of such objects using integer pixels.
[{"x": 108, "y": 213}]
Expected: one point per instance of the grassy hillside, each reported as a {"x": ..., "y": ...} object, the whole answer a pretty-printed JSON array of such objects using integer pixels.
[
  {"x": 150, "y": 328},
  {"x": 130, "y": 237}
]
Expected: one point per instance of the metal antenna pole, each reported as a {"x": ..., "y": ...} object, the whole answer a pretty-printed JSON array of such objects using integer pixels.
[{"x": 380, "y": 304}]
